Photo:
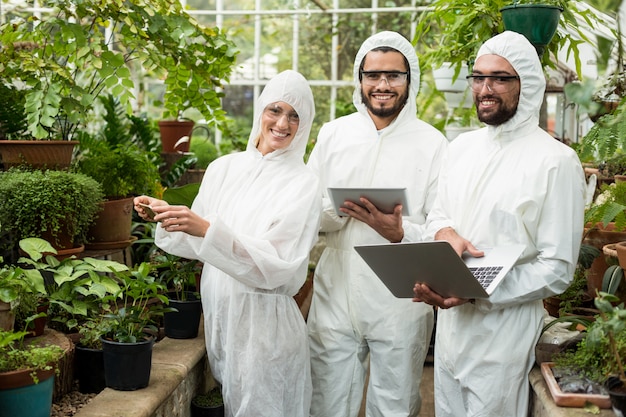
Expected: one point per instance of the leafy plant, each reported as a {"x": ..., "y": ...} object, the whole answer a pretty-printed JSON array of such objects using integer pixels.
[
  {"x": 33, "y": 203},
  {"x": 599, "y": 354},
  {"x": 462, "y": 26},
  {"x": 606, "y": 136},
  {"x": 84, "y": 48},
  {"x": 74, "y": 288},
  {"x": 213, "y": 398},
  {"x": 177, "y": 273},
  {"x": 133, "y": 310},
  {"x": 12, "y": 115},
  {"x": 609, "y": 206},
  {"x": 15, "y": 354}
]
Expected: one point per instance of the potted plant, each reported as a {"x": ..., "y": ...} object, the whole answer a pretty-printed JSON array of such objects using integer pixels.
[
  {"x": 67, "y": 60},
  {"x": 115, "y": 159},
  {"x": 131, "y": 315},
  {"x": 210, "y": 404},
  {"x": 11, "y": 288},
  {"x": 180, "y": 276},
  {"x": 599, "y": 356},
  {"x": 26, "y": 375},
  {"x": 58, "y": 206}
]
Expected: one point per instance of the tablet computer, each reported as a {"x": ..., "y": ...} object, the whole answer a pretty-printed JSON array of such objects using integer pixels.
[{"x": 385, "y": 199}]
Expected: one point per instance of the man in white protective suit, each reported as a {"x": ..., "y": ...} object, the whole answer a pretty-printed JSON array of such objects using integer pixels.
[
  {"x": 507, "y": 183},
  {"x": 253, "y": 224},
  {"x": 353, "y": 314}
]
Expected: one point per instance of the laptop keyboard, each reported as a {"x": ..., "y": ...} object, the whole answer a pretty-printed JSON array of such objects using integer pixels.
[{"x": 485, "y": 274}]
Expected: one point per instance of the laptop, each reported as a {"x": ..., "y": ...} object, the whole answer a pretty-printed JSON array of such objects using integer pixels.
[
  {"x": 435, "y": 263},
  {"x": 385, "y": 199}
]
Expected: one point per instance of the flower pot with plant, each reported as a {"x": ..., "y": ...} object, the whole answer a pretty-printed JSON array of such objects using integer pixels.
[
  {"x": 210, "y": 404},
  {"x": 115, "y": 159},
  {"x": 605, "y": 221},
  {"x": 26, "y": 376},
  {"x": 599, "y": 355},
  {"x": 58, "y": 206},
  {"x": 131, "y": 320},
  {"x": 180, "y": 275}
]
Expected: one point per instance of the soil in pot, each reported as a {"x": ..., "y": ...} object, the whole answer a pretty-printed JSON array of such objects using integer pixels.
[{"x": 210, "y": 404}]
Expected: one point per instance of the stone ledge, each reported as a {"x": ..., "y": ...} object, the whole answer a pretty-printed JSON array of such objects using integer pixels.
[{"x": 179, "y": 371}]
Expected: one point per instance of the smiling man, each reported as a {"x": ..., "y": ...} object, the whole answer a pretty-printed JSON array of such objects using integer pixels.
[
  {"x": 508, "y": 183},
  {"x": 354, "y": 320}
]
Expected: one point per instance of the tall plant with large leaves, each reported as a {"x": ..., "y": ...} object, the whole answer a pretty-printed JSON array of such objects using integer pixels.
[{"x": 86, "y": 47}]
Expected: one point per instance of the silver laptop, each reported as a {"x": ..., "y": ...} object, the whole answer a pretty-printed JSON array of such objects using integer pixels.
[
  {"x": 385, "y": 199},
  {"x": 400, "y": 265}
]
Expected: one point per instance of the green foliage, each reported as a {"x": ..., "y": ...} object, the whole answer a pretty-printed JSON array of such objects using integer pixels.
[
  {"x": 205, "y": 151},
  {"x": 77, "y": 286},
  {"x": 15, "y": 354},
  {"x": 609, "y": 206},
  {"x": 115, "y": 157},
  {"x": 183, "y": 195},
  {"x": 213, "y": 398},
  {"x": 133, "y": 310},
  {"x": 84, "y": 48},
  {"x": 599, "y": 355},
  {"x": 177, "y": 274},
  {"x": 460, "y": 27},
  {"x": 12, "y": 116},
  {"x": 35, "y": 202},
  {"x": 606, "y": 137}
]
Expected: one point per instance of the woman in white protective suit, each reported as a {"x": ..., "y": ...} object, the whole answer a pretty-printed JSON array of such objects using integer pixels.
[
  {"x": 508, "y": 183},
  {"x": 253, "y": 224}
]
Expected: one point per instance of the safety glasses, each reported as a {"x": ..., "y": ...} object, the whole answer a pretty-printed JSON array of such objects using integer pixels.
[
  {"x": 497, "y": 83},
  {"x": 392, "y": 78}
]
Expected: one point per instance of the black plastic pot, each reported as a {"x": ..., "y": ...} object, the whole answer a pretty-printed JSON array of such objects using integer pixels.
[
  {"x": 89, "y": 369},
  {"x": 127, "y": 365},
  {"x": 617, "y": 393},
  {"x": 183, "y": 324}
]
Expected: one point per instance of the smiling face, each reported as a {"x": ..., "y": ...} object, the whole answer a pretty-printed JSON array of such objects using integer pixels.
[
  {"x": 383, "y": 101},
  {"x": 279, "y": 124},
  {"x": 495, "y": 103}
]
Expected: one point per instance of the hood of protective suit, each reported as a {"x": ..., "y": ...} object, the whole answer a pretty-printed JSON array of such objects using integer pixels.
[
  {"x": 292, "y": 88},
  {"x": 396, "y": 41},
  {"x": 521, "y": 54}
]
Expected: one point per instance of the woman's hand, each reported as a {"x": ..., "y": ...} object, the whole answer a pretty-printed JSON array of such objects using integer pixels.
[
  {"x": 181, "y": 219},
  {"x": 146, "y": 213}
]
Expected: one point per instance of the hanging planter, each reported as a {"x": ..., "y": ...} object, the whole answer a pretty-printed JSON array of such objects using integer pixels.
[{"x": 538, "y": 22}]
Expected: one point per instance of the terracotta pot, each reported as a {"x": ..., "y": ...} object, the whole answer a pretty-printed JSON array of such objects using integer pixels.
[
  {"x": 598, "y": 237},
  {"x": 620, "y": 248},
  {"x": 113, "y": 225},
  {"x": 172, "y": 131},
  {"x": 53, "y": 154}
]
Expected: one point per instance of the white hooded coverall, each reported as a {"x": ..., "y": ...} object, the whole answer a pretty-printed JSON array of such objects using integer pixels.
[
  {"x": 264, "y": 214},
  {"x": 506, "y": 184},
  {"x": 352, "y": 312}
]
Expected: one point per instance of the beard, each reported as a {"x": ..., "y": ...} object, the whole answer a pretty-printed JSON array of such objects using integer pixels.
[
  {"x": 386, "y": 111},
  {"x": 503, "y": 114}
]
